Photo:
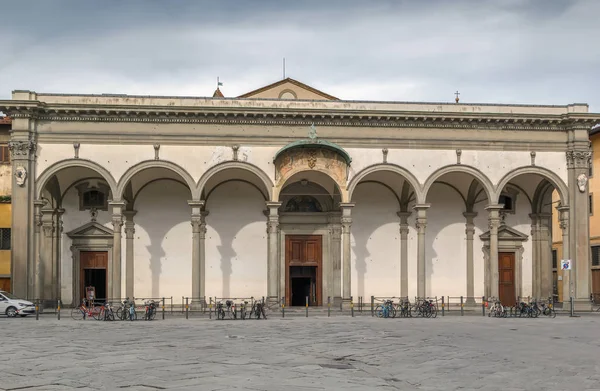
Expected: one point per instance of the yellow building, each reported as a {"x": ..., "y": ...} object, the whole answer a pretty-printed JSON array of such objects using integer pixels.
[
  {"x": 5, "y": 204},
  {"x": 594, "y": 211}
]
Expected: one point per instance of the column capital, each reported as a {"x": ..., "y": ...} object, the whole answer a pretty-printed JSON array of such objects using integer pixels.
[
  {"x": 421, "y": 207},
  {"x": 403, "y": 215},
  {"x": 197, "y": 206},
  {"x": 347, "y": 205},
  {"x": 470, "y": 215},
  {"x": 578, "y": 158},
  {"x": 129, "y": 214}
]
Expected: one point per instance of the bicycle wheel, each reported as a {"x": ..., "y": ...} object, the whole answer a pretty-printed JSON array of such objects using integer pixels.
[
  {"x": 98, "y": 314},
  {"x": 153, "y": 315},
  {"x": 77, "y": 313},
  {"x": 379, "y": 311},
  {"x": 119, "y": 313},
  {"x": 433, "y": 312}
]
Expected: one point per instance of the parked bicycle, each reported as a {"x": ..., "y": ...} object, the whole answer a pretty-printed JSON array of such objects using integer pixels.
[
  {"x": 425, "y": 308},
  {"x": 403, "y": 309},
  {"x": 243, "y": 311},
  {"x": 258, "y": 310},
  {"x": 83, "y": 311},
  {"x": 106, "y": 312},
  {"x": 386, "y": 310},
  {"x": 497, "y": 310},
  {"x": 150, "y": 312}
]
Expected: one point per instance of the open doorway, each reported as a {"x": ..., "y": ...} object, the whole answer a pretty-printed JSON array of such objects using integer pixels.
[{"x": 96, "y": 278}]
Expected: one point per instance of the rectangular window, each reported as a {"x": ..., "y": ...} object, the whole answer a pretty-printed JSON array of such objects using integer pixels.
[
  {"x": 554, "y": 259},
  {"x": 595, "y": 255},
  {"x": 4, "y": 154},
  {"x": 591, "y": 202},
  {"x": 4, "y": 238}
]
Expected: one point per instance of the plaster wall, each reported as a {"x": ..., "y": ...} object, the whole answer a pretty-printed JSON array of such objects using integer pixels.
[
  {"x": 445, "y": 244},
  {"x": 375, "y": 243},
  {"x": 5, "y": 179},
  {"x": 163, "y": 242},
  {"x": 236, "y": 242}
]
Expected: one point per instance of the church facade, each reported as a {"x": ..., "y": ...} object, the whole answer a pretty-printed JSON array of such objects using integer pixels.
[{"x": 290, "y": 192}]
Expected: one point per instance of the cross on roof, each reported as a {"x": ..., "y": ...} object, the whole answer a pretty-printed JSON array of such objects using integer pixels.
[{"x": 457, "y": 94}]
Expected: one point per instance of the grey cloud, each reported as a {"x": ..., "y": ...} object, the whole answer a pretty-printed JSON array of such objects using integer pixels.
[{"x": 511, "y": 51}]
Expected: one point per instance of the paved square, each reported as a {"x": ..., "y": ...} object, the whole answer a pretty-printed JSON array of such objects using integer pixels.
[{"x": 338, "y": 353}]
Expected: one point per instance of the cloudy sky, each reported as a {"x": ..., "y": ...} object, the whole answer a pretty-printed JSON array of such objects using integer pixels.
[{"x": 502, "y": 51}]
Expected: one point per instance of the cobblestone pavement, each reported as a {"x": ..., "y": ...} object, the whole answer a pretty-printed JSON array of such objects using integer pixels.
[{"x": 340, "y": 353}]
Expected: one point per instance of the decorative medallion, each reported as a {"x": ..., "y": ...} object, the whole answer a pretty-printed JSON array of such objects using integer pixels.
[
  {"x": 21, "y": 175},
  {"x": 582, "y": 182}
]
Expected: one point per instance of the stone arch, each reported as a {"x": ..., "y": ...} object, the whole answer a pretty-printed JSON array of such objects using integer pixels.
[
  {"x": 550, "y": 176},
  {"x": 260, "y": 174},
  {"x": 542, "y": 192},
  {"x": 55, "y": 168},
  {"x": 404, "y": 173},
  {"x": 483, "y": 179},
  {"x": 130, "y": 173},
  {"x": 283, "y": 181}
]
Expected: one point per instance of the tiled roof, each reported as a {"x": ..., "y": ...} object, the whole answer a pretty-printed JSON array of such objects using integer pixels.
[{"x": 5, "y": 120}]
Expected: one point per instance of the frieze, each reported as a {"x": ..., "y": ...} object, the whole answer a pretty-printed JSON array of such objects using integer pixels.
[{"x": 22, "y": 148}]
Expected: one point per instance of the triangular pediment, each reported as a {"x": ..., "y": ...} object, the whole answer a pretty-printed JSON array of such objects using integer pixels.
[
  {"x": 506, "y": 233},
  {"x": 288, "y": 89},
  {"x": 92, "y": 229}
]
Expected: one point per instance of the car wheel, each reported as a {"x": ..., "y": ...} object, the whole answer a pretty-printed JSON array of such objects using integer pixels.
[{"x": 11, "y": 312}]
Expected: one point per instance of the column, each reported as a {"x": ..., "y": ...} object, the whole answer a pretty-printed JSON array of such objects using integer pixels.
[
  {"x": 129, "y": 252},
  {"x": 38, "y": 282},
  {"x": 578, "y": 160},
  {"x": 273, "y": 251},
  {"x": 470, "y": 232},
  {"x": 56, "y": 244},
  {"x": 22, "y": 148},
  {"x": 198, "y": 253},
  {"x": 48, "y": 265},
  {"x": 545, "y": 258},
  {"x": 346, "y": 221},
  {"x": 421, "y": 225},
  {"x": 535, "y": 255},
  {"x": 117, "y": 220},
  {"x": 494, "y": 222},
  {"x": 567, "y": 289},
  {"x": 404, "y": 253}
]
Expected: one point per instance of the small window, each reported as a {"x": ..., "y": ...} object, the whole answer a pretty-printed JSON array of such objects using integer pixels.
[
  {"x": 595, "y": 255},
  {"x": 507, "y": 201},
  {"x": 5, "y": 238},
  {"x": 93, "y": 199},
  {"x": 554, "y": 259},
  {"x": 591, "y": 202},
  {"x": 4, "y": 154}
]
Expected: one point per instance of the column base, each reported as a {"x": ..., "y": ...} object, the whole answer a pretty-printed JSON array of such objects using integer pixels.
[
  {"x": 470, "y": 302},
  {"x": 272, "y": 301}
]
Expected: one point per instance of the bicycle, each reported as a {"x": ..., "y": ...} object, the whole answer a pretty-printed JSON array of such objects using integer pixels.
[
  {"x": 105, "y": 313},
  {"x": 258, "y": 310},
  {"x": 497, "y": 310},
  {"x": 386, "y": 310},
  {"x": 548, "y": 310},
  {"x": 80, "y": 312},
  {"x": 150, "y": 313},
  {"x": 243, "y": 312},
  {"x": 132, "y": 312}
]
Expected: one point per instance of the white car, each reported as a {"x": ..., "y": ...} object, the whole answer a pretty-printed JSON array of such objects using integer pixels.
[{"x": 13, "y": 306}]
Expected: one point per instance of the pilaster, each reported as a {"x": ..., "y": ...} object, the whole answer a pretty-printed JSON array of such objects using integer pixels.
[
  {"x": 421, "y": 225},
  {"x": 494, "y": 223},
  {"x": 404, "y": 252},
  {"x": 346, "y": 221},
  {"x": 578, "y": 161},
  {"x": 336, "y": 260},
  {"x": 129, "y": 253},
  {"x": 545, "y": 264},
  {"x": 23, "y": 147},
  {"x": 48, "y": 270},
  {"x": 273, "y": 251},
  {"x": 38, "y": 236},
  {"x": 470, "y": 233},
  {"x": 56, "y": 254},
  {"x": 535, "y": 256},
  {"x": 567, "y": 287},
  {"x": 114, "y": 285}
]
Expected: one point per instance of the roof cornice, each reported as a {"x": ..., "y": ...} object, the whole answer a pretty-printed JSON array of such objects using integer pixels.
[{"x": 294, "y": 116}]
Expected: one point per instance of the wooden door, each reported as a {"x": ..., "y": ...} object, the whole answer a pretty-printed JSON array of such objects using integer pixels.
[
  {"x": 596, "y": 285},
  {"x": 506, "y": 278},
  {"x": 307, "y": 251},
  {"x": 5, "y": 284},
  {"x": 95, "y": 260}
]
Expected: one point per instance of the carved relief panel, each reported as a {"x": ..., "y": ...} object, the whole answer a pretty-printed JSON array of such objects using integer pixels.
[{"x": 306, "y": 159}]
